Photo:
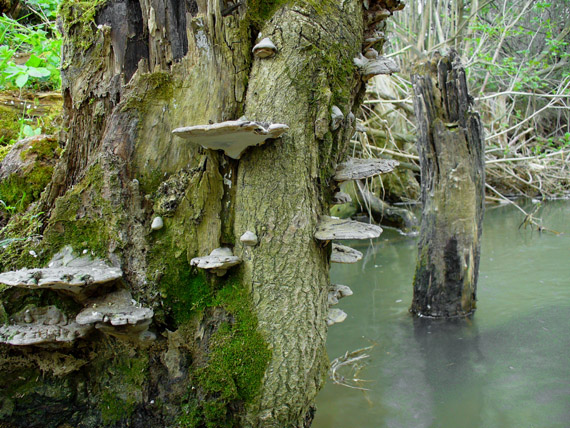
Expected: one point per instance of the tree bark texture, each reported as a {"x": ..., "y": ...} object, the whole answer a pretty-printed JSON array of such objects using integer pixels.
[
  {"x": 246, "y": 349},
  {"x": 451, "y": 152}
]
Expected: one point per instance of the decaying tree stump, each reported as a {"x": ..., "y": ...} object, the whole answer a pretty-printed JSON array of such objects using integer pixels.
[{"x": 450, "y": 146}]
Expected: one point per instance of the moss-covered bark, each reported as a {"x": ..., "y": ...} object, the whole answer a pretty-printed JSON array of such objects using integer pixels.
[{"x": 246, "y": 349}]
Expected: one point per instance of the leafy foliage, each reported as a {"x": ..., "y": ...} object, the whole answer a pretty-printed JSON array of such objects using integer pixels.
[{"x": 30, "y": 48}]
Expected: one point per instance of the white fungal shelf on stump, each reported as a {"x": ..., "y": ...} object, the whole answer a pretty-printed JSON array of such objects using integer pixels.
[
  {"x": 116, "y": 314},
  {"x": 219, "y": 261},
  {"x": 330, "y": 228},
  {"x": 338, "y": 291},
  {"x": 370, "y": 67},
  {"x": 335, "y": 316},
  {"x": 65, "y": 272},
  {"x": 41, "y": 326},
  {"x": 233, "y": 137},
  {"x": 358, "y": 169},
  {"x": 344, "y": 254}
]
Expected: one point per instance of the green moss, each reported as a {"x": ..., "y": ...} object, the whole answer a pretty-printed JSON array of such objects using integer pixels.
[
  {"x": 149, "y": 88},
  {"x": 3, "y": 313},
  {"x": 45, "y": 149},
  {"x": 21, "y": 188},
  {"x": 260, "y": 11},
  {"x": 237, "y": 360},
  {"x": 126, "y": 377},
  {"x": 83, "y": 218},
  {"x": 339, "y": 69},
  {"x": 183, "y": 291},
  {"x": 78, "y": 18},
  {"x": 18, "y": 192},
  {"x": 9, "y": 125}
]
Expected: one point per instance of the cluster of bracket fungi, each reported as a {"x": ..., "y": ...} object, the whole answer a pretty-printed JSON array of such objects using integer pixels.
[
  {"x": 94, "y": 285},
  {"x": 108, "y": 307},
  {"x": 234, "y": 137}
]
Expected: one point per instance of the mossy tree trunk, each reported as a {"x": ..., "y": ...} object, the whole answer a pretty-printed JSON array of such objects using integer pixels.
[
  {"x": 246, "y": 349},
  {"x": 451, "y": 149}
]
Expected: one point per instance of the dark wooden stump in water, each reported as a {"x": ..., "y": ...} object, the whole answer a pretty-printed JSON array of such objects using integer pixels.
[{"x": 450, "y": 145}]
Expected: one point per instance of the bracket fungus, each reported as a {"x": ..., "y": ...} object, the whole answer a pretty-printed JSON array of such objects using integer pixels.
[
  {"x": 65, "y": 272},
  {"x": 157, "y": 223},
  {"x": 219, "y": 261},
  {"x": 336, "y": 118},
  {"x": 43, "y": 326},
  {"x": 117, "y": 314},
  {"x": 344, "y": 254},
  {"x": 338, "y": 291},
  {"x": 370, "y": 67},
  {"x": 335, "y": 316},
  {"x": 264, "y": 49},
  {"x": 357, "y": 169},
  {"x": 341, "y": 198},
  {"x": 249, "y": 238},
  {"x": 330, "y": 228},
  {"x": 233, "y": 136}
]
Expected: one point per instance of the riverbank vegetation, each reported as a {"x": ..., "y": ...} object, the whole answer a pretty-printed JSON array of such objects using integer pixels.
[{"x": 516, "y": 54}]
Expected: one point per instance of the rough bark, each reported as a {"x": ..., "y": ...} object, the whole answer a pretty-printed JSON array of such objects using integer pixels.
[
  {"x": 279, "y": 196},
  {"x": 246, "y": 349},
  {"x": 450, "y": 146}
]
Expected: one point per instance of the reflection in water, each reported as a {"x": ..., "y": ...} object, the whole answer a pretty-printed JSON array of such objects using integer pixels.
[
  {"x": 506, "y": 367},
  {"x": 451, "y": 360}
]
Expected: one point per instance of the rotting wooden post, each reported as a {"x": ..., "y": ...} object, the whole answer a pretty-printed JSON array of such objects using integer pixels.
[{"x": 450, "y": 145}]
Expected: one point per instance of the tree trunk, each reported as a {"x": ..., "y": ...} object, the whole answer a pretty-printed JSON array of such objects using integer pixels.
[
  {"x": 451, "y": 152},
  {"x": 244, "y": 349}
]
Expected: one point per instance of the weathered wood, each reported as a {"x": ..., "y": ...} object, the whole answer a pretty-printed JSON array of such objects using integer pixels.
[
  {"x": 358, "y": 169},
  {"x": 341, "y": 198},
  {"x": 330, "y": 228},
  {"x": 384, "y": 213},
  {"x": 451, "y": 152}
]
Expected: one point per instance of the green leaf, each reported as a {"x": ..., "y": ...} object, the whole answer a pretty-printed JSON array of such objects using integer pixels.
[
  {"x": 38, "y": 72},
  {"x": 34, "y": 61},
  {"x": 21, "y": 80}
]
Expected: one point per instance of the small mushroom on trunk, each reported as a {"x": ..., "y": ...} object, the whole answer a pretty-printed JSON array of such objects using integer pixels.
[
  {"x": 249, "y": 238},
  {"x": 157, "y": 223},
  {"x": 370, "y": 67},
  {"x": 335, "y": 316},
  {"x": 336, "y": 118},
  {"x": 264, "y": 49},
  {"x": 219, "y": 261},
  {"x": 116, "y": 314}
]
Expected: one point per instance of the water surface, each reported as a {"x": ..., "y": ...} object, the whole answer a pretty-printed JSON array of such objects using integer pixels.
[{"x": 507, "y": 367}]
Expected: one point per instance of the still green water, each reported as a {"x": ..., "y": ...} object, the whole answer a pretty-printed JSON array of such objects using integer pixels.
[{"x": 507, "y": 367}]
